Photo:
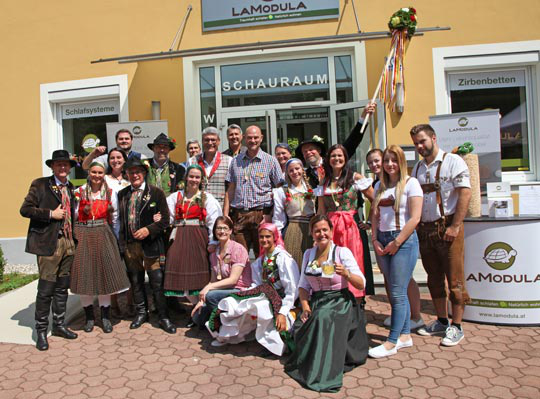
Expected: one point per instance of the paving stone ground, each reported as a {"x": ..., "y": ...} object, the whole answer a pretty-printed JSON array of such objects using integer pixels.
[{"x": 492, "y": 362}]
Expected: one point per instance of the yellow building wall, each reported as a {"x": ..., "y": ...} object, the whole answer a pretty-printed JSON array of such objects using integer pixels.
[{"x": 53, "y": 41}]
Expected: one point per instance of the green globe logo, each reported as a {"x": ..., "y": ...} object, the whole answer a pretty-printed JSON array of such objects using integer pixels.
[
  {"x": 500, "y": 255},
  {"x": 463, "y": 121}
]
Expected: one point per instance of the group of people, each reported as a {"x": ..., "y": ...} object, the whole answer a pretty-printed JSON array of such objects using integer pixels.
[{"x": 191, "y": 228}]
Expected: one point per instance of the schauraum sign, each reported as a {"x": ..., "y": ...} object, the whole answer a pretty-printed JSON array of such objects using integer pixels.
[{"x": 227, "y": 14}]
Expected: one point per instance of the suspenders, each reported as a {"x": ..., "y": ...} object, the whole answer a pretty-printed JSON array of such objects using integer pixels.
[
  {"x": 390, "y": 202},
  {"x": 434, "y": 187}
]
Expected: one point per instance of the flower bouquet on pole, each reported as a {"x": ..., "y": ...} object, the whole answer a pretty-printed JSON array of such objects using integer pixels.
[{"x": 391, "y": 86}]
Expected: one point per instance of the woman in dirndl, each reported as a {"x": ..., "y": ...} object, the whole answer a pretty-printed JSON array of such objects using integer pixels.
[
  {"x": 338, "y": 198},
  {"x": 193, "y": 213},
  {"x": 97, "y": 268},
  {"x": 294, "y": 203},
  {"x": 266, "y": 308},
  {"x": 332, "y": 339}
]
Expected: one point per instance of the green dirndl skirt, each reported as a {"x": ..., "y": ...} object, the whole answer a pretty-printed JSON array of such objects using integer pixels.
[{"x": 331, "y": 342}]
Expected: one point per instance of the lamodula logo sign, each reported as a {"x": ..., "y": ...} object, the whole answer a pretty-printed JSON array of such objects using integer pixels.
[
  {"x": 463, "y": 123},
  {"x": 266, "y": 8},
  {"x": 501, "y": 256}
]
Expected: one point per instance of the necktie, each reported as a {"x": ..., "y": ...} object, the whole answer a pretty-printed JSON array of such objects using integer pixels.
[
  {"x": 132, "y": 210},
  {"x": 66, "y": 205}
]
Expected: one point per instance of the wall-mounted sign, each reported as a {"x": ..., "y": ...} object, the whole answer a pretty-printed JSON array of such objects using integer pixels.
[
  {"x": 87, "y": 110},
  {"x": 144, "y": 132},
  {"x": 227, "y": 14},
  {"x": 487, "y": 80},
  {"x": 482, "y": 129}
]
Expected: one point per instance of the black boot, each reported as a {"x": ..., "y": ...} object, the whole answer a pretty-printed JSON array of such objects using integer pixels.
[
  {"x": 137, "y": 289},
  {"x": 156, "y": 282},
  {"x": 43, "y": 308},
  {"x": 90, "y": 320},
  {"x": 105, "y": 319},
  {"x": 59, "y": 305}
]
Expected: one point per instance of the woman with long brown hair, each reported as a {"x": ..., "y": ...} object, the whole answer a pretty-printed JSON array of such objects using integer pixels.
[{"x": 338, "y": 198}]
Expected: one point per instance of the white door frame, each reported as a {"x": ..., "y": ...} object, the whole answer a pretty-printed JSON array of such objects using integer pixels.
[{"x": 271, "y": 126}]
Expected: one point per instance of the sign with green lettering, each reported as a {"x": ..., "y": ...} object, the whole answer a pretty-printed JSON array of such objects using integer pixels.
[{"x": 227, "y": 14}]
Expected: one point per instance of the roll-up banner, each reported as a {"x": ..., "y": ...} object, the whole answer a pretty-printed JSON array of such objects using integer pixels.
[{"x": 144, "y": 132}]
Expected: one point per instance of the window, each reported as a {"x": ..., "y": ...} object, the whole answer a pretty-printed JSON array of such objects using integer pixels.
[
  {"x": 502, "y": 76},
  {"x": 275, "y": 82},
  {"x": 207, "y": 82},
  {"x": 505, "y": 90}
]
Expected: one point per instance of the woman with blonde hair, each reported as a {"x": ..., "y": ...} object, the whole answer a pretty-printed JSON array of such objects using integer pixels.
[
  {"x": 397, "y": 209},
  {"x": 294, "y": 205}
]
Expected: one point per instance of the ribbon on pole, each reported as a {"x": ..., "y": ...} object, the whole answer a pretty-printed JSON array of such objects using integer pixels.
[{"x": 391, "y": 86}]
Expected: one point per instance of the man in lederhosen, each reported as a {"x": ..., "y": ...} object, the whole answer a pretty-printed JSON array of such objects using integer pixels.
[
  {"x": 141, "y": 241},
  {"x": 49, "y": 206},
  {"x": 445, "y": 181}
]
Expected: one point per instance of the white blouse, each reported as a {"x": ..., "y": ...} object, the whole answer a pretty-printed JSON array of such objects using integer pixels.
[
  {"x": 114, "y": 204},
  {"x": 288, "y": 278},
  {"x": 361, "y": 184},
  {"x": 279, "y": 218},
  {"x": 115, "y": 184},
  {"x": 346, "y": 258},
  {"x": 213, "y": 211},
  {"x": 387, "y": 215}
]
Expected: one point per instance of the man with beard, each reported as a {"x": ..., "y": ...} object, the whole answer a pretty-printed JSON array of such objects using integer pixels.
[
  {"x": 444, "y": 178},
  {"x": 311, "y": 152}
]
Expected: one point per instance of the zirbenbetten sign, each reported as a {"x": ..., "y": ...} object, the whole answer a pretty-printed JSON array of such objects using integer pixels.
[{"x": 227, "y": 14}]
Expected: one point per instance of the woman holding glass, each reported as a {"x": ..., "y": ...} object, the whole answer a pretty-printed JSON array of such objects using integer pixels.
[
  {"x": 332, "y": 339},
  {"x": 396, "y": 212}
]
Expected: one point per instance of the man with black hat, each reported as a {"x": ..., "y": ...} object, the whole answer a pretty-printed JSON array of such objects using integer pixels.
[
  {"x": 311, "y": 152},
  {"x": 49, "y": 205},
  {"x": 162, "y": 172},
  {"x": 141, "y": 241}
]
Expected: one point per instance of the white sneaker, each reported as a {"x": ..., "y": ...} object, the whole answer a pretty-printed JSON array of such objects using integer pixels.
[
  {"x": 453, "y": 336},
  {"x": 217, "y": 344},
  {"x": 404, "y": 344},
  {"x": 380, "y": 351}
]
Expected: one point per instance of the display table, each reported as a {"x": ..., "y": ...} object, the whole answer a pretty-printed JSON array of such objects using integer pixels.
[{"x": 502, "y": 270}]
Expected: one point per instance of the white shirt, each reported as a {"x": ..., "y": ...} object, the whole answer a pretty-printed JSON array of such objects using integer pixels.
[
  {"x": 359, "y": 185},
  {"x": 213, "y": 211},
  {"x": 346, "y": 258},
  {"x": 279, "y": 217},
  {"x": 288, "y": 278},
  {"x": 454, "y": 174},
  {"x": 207, "y": 166},
  {"x": 115, "y": 184},
  {"x": 387, "y": 215}
]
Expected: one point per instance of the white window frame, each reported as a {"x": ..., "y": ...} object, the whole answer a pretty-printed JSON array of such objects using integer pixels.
[
  {"x": 54, "y": 95},
  {"x": 191, "y": 65},
  {"x": 488, "y": 57}
]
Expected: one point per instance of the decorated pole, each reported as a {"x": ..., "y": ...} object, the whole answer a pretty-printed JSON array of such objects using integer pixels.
[{"x": 391, "y": 86}]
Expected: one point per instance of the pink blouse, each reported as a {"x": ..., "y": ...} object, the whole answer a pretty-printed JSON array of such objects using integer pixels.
[
  {"x": 312, "y": 280},
  {"x": 236, "y": 254}
]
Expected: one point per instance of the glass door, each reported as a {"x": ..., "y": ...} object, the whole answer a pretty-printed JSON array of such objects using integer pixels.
[
  {"x": 343, "y": 118},
  {"x": 264, "y": 119}
]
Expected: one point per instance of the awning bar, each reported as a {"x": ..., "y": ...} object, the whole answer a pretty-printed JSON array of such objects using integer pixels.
[{"x": 260, "y": 46}]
